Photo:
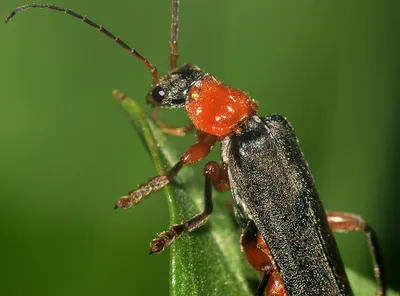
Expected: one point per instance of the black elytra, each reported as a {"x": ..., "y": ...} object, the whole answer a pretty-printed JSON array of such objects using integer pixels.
[{"x": 272, "y": 185}]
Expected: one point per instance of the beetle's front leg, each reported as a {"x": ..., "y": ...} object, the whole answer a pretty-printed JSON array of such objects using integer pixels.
[
  {"x": 195, "y": 153},
  {"x": 174, "y": 131},
  {"x": 344, "y": 222}
]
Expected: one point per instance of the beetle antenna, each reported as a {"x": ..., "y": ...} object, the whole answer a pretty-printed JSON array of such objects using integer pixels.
[
  {"x": 174, "y": 34},
  {"x": 153, "y": 70}
]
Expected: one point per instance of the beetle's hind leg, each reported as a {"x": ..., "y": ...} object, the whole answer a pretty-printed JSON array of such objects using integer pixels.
[
  {"x": 214, "y": 175},
  {"x": 262, "y": 286},
  {"x": 344, "y": 222},
  {"x": 260, "y": 257}
]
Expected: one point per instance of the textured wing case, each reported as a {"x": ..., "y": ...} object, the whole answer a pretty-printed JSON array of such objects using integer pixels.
[{"x": 272, "y": 185}]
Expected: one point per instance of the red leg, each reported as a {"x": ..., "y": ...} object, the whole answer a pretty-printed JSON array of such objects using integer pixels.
[
  {"x": 344, "y": 222},
  {"x": 260, "y": 257},
  {"x": 275, "y": 286},
  {"x": 195, "y": 153},
  {"x": 219, "y": 176},
  {"x": 257, "y": 258},
  {"x": 174, "y": 131}
]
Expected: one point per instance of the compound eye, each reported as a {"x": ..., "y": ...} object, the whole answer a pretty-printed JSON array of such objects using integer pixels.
[{"x": 158, "y": 94}]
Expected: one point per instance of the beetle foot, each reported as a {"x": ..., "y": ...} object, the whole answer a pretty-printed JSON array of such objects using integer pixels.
[
  {"x": 125, "y": 202},
  {"x": 134, "y": 197},
  {"x": 164, "y": 239}
]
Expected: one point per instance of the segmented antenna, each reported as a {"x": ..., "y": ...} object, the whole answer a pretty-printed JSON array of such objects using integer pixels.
[
  {"x": 174, "y": 34},
  {"x": 153, "y": 70}
]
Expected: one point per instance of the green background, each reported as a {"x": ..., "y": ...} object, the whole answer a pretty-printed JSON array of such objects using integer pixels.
[{"x": 68, "y": 151}]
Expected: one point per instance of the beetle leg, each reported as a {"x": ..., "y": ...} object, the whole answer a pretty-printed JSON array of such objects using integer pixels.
[
  {"x": 344, "y": 222},
  {"x": 167, "y": 237},
  {"x": 275, "y": 286},
  {"x": 174, "y": 131},
  {"x": 219, "y": 176},
  {"x": 262, "y": 286},
  {"x": 271, "y": 285},
  {"x": 257, "y": 258},
  {"x": 260, "y": 257},
  {"x": 195, "y": 153}
]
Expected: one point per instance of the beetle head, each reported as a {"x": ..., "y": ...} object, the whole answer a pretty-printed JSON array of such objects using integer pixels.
[{"x": 172, "y": 89}]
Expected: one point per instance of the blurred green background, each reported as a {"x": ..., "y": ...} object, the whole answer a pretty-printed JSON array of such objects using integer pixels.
[{"x": 68, "y": 151}]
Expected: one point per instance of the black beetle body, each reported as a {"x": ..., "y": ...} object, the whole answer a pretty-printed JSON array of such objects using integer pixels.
[{"x": 271, "y": 185}]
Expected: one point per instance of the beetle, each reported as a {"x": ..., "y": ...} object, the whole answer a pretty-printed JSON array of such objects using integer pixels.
[{"x": 286, "y": 233}]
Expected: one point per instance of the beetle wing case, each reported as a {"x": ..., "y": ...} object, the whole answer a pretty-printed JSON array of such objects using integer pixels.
[{"x": 272, "y": 186}]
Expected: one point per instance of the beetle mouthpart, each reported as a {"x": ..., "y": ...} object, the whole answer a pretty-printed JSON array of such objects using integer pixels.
[{"x": 151, "y": 101}]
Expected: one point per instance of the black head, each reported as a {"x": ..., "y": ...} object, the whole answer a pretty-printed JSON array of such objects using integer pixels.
[{"x": 171, "y": 91}]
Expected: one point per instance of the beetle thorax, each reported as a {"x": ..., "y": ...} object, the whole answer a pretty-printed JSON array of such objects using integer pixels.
[{"x": 217, "y": 109}]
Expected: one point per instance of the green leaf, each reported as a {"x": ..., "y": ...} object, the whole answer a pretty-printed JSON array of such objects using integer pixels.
[{"x": 208, "y": 261}]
